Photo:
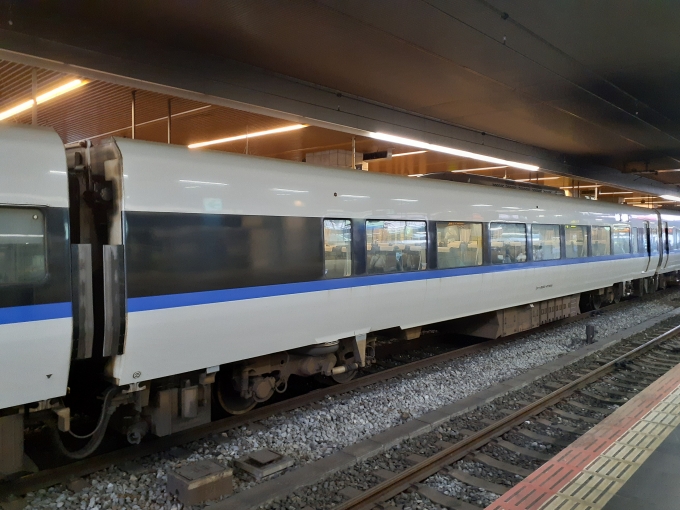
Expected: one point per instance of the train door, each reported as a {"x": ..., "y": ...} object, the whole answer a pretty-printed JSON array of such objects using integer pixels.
[
  {"x": 665, "y": 248},
  {"x": 646, "y": 244},
  {"x": 654, "y": 245}
]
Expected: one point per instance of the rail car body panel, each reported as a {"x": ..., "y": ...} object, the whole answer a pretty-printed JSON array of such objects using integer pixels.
[
  {"x": 35, "y": 295},
  {"x": 174, "y": 332}
]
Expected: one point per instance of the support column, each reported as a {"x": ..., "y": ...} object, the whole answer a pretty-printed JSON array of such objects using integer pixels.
[
  {"x": 133, "y": 113},
  {"x": 169, "y": 121},
  {"x": 34, "y": 95}
]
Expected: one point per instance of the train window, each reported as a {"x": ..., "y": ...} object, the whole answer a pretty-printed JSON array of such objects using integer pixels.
[
  {"x": 671, "y": 239},
  {"x": 337, "y": 239},
  {"x": 634, "y": 240},
  {"x": 508, "y": 243},
  {"x": 576, "y": 241},
  {"x": 620, "y": 239},
  {"x": 458, "y": 244},
  {"x": 601, "y": 240},
  {"x": 173, "y": 253},
  {"x": 22, "y": 246},
  {"x": 395, "y": 246},
  {"x": 642, "y": 245},
  {"x": 654, "y": 240},
  {"x": 545, "y": 242}
]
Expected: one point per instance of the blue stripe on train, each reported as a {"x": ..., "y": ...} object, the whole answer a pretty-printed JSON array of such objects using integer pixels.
[
  {"x": 31, "y": 313},
  {"x": 142, "y": 304}
]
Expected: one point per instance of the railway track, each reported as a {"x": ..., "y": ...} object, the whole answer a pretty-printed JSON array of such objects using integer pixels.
[
  {"x": 69, "y": 471},
  {"x": 561, "y": 413}
]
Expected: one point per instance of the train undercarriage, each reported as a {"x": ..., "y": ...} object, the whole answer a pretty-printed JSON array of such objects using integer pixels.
[{"x": 172, "y": 404}]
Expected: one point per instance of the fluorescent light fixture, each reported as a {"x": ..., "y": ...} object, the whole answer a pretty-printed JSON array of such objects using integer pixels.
[
  {"x": 404, "y": 200},
  {"x": 248, "y": 135},
  {"x": 43, "y": 98},
  {"x": 539, "y": 179},
  {"x": 290, "y": 190},
  {"x": 354, "y": 196},
  {"x": 586, "y": 186},
  {"x": 407, "y": 154},
  {"x": 205, "y": 182},
  {"x": 673, "y": 198},
  {"x": 616, "y": 192},
  {"x": 448, "y": 150},
  {"x": 475, "y": 169}
]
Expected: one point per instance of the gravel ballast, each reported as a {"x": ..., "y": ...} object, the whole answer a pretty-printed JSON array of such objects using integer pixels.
[{"x": 313, "y": 432}]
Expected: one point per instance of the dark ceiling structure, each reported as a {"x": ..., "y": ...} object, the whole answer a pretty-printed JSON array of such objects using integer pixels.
[{"x": 591, "y": 85}]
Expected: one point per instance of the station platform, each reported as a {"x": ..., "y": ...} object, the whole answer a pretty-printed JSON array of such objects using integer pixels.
[{"x": 629, "y": 461}]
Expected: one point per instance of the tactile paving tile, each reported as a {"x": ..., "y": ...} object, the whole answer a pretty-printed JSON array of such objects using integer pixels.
[{"x": 587, "y": 474}]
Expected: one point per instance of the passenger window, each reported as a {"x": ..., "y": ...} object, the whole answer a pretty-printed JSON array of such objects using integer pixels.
[
  {"x": 395, "y": 246},
  {"x": 458, "y": 244},
  {"x": 576, "y": 241},
  {"x": 634, "y": 240},
  {"x": 601, "y": 240},
  {"x": 337, "y": 239},
  {"x": 508, "y": 243},
  {"x": 643, "y": 247},
  {"x": 22, "y": 246},
  {"x": 620, "y": 239},
  {"x": 545, "y": 241},
  {"x": 671, "y": 239},
  {"x": 654, "y": 240}
]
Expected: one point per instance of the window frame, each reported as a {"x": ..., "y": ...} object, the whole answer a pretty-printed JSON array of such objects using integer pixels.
[
  {"x": 610, "y": 240},
  {"x": 481, "y": 248},
  {"x": 43, "y": 225},
  {"x": 426, "y": 243},
  {"x": 587, "y": 240},
  {"x": 527, "y": 251},
  {"x": 350, "y": 247},
  {"x": 560, "y": 236}
]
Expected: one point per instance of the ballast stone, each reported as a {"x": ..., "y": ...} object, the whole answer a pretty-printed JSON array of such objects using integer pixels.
[{"x": 198, "y": 482}]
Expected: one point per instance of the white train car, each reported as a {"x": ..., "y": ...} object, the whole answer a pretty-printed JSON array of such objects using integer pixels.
[
  {"x": 198, "y": 272},
  {"x": 35, "y": 293}
]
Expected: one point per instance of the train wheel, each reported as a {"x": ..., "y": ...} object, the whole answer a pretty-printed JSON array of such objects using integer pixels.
[
  {"x": 596, "y": 300},
  {"x": 336, "y": 379},
  {"x": 344, "y": 378},
  {"x": 229, "y": 397}
]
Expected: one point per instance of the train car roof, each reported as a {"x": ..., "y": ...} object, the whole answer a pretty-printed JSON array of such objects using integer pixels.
[
  {"x": 166, "y": 178},
  {"x": 32, "y": 167}
]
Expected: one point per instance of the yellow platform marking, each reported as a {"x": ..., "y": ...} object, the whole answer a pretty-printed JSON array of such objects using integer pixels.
[{"x": 596, "y": 484}]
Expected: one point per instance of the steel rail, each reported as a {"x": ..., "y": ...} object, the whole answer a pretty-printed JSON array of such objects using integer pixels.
[
  {"x": 430, "y": 466},
  {"x": 61, "y": 474}
]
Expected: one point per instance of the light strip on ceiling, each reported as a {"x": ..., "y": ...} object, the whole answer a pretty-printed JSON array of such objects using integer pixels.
[
  {"x": 407, "y": 154},
  {"x": 248, "y": 135},
  {"x": 448, "y": 150},
  {"x": 539, "y": 179},
  {"x": 481, "y": 168},
  {"x": 43, "y": 98},
  {"x": 616, "y": 192},
  {"x": 674, "y": 198},
  {"x": 582, "y": 186}
]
